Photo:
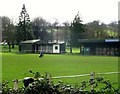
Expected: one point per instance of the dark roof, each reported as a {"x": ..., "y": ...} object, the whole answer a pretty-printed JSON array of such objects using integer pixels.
[
  {"x": 38, "y": 41},
  {"x": 97, "y": 40},
  {"x": 30, "y": 41},
  {"x": 56, "y": 42}
]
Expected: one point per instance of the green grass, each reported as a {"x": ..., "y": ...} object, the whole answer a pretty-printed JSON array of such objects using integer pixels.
[
  {"x": 74, "y": 50},
  {"x": 5, "y": 49},
  {"x": 16, "y": 66}
]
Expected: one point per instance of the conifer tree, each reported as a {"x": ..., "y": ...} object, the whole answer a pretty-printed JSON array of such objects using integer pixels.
[
  {"x": 77, "y": 29},
  {"x": 24, "y": 31}
]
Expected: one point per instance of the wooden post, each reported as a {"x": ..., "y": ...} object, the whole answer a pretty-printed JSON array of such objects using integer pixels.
[
  {"x": 49, "y": 78},
  {"x": 15, "y": 84},
  {"x": 92, "y": 80}
]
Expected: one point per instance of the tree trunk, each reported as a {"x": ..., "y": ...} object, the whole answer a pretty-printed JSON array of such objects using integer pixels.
[{"x": 70, "y": 49}]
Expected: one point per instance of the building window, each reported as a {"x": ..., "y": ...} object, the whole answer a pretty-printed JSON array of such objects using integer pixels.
[{"x": 56, "y": 47}]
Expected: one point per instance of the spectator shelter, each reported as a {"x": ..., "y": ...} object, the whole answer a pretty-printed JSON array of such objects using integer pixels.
[
  {"x": 35, "y": 46},
  {"x": 99, "y": 46}
]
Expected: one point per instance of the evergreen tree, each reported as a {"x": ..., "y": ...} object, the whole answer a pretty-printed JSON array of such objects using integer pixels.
[
  {"x": 24, "y": 31},
  {"x": 77, "y": 29}
]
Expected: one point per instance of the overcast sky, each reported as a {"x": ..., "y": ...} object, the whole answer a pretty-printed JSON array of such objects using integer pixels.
[{"x": 64, "y": 10}]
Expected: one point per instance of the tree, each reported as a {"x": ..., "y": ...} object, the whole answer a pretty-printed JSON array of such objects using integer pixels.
[
  {"x": 96, "y": 30},
  {"x": 39, "y": 27},
  {"x": 76, "y": 29},
  {"x": 66, "y": 32},
  {"x": 56, "y": 26},
  {"x": 50, "y": 34},
  {"x": 60, "y": 32},
  {"x": 24, "y": 31},
  {"x": 8, "y": 29},
  {"x": 113, "y": 29}
]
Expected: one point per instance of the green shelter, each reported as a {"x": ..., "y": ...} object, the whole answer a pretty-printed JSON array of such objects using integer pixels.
[{"x": 99, "y": 46}]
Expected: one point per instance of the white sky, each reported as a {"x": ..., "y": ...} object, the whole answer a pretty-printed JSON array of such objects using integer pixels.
[{"x": 64, "y": 10}]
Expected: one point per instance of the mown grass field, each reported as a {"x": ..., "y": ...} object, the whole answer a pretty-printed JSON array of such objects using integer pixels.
[{"x": 16, "y": 66}]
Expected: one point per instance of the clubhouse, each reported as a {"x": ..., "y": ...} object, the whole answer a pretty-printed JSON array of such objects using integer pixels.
[{"x": 35, "y": 46}]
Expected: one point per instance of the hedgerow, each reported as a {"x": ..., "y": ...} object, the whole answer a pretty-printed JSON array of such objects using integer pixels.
[{"x": 44, "y": 85}]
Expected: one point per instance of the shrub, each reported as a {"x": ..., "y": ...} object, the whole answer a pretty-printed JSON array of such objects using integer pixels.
[{"x": 44, "y": 85}]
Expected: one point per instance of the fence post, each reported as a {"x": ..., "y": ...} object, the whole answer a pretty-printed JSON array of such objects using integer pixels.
[
  {"x": 92, "y": 80},
  {"x": 15, "y": 84},
  {"x": 49, "y": 78}
]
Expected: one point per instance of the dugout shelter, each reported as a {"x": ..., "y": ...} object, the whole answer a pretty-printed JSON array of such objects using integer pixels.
[{"x": 100, "y": 47}]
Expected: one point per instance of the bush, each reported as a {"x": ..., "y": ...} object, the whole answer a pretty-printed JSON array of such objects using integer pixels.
[{"x": 44, "y": 85}]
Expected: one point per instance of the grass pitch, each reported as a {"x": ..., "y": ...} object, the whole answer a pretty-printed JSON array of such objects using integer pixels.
[{"x": 16, "y": 66}]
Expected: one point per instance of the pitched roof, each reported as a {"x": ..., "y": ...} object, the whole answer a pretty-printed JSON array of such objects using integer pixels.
[
  {"x": 38, "y": 41},
  {"x": 31, "y": 41}
]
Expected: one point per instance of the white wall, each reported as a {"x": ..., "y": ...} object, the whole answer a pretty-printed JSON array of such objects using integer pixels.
[{"x": 56, "y": 50}]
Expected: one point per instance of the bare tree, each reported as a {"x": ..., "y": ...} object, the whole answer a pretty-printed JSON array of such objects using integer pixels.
[
  {"x": 8, "y": 29},
  {"x": 39, "y": 27}
]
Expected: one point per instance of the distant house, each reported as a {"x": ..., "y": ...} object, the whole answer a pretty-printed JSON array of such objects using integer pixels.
[
  {"x": 99, "y": 46},
  {"x": 35, "y": 46}
]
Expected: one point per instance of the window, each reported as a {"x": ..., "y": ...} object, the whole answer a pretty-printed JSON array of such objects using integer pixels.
[{"x": 56, "y": 47}]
